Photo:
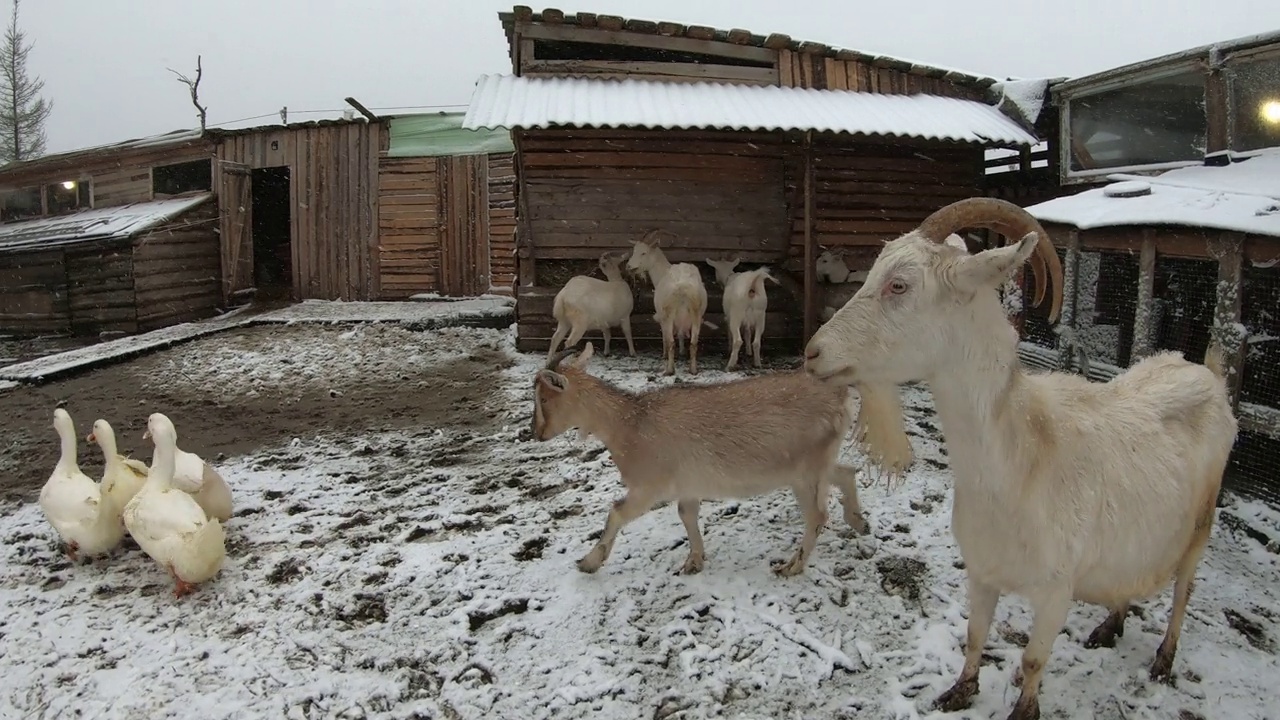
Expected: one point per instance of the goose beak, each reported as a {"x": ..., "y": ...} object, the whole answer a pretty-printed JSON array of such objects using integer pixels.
[
  {"x": 147, "y": 435},
  {"x": 91, "y": 438}
]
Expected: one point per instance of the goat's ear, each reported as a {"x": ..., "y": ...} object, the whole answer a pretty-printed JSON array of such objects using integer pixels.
[
  {"x": 584, "y": 357},
  {"x": 552, "y": 380},
  {"x": 992, "y": 267}
]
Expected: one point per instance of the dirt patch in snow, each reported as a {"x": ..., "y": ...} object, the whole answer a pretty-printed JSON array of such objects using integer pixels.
[{"x": 234, "y": 393}]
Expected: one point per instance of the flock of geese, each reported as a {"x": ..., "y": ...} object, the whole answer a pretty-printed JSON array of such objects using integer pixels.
[{"x": 174, "y": 509}]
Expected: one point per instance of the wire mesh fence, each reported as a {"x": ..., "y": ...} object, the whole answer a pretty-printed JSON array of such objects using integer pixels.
[
  {"x": 1105, "y": 306},
  {"x": 1186, "y": 292}
]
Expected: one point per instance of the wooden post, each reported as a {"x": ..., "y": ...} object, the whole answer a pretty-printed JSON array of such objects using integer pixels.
[
  {"x": 525, "y": 268},
  {"x": 1142, "y": 315},
  {"x": 1228, "y": 332},
  {"x": 809, "y": 275},
  {"x": 1070, "y": 296}
]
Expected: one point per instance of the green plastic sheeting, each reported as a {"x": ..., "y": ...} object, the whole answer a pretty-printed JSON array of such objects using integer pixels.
[{"x": 442, "y": 134}]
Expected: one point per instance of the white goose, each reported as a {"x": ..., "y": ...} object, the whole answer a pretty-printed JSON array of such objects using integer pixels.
[
  {"x": 168, "y": 524},
  {"x": 84, "y": 516},
  {"x": 122, "y": 477},
  {"x": 193, "y": 475}
]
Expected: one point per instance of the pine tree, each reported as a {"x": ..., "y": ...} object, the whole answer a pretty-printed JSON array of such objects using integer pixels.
[{"x": 22, "y": 111}]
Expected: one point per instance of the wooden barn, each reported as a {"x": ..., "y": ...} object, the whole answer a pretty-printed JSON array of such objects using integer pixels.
[
  {"x": 354, "y": 209},
  {"x": 1173, "y": 234},
  {"x": 125, "y": 268},
  {"x": 742, "y": 145}
]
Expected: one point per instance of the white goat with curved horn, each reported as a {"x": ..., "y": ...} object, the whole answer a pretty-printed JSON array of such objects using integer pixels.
[{"x": 1064, "y": 489}]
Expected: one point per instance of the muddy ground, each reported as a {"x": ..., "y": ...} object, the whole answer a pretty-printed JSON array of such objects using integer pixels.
[{"x": 221, "y": 425}]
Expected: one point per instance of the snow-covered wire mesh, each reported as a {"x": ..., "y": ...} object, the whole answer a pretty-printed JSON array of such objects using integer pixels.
[
  {"x": 1035, "y": 324},
  {"x": 1186, "y": 292},
  {"x": 1257, "y": 455}
]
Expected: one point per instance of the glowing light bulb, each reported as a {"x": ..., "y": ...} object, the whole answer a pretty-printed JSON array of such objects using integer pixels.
[
  {"x": 1271, "y": 111},
  {"x": 70, "y": 184}
]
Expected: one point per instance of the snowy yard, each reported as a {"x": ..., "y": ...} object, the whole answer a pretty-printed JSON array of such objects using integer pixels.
[{"x": 401, "y": 548}]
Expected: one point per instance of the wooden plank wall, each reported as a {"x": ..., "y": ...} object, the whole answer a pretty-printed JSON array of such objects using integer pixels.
[
  {"x": 122, "y": 186},
  {"x": 807, "y": 70},
  {"x": 593, "y": 191},
  {"x": 866, "y": 193},
  {"x": 100, "y": 288},
  {"x": 33, "y": 293},
  {"x": 502, "y": 223},
  {"x": 334, "y": 207},
  {"x": 464, "y": 239},
  {"x": 177, "y": 273},
  {"x": 408, "y": 226}
]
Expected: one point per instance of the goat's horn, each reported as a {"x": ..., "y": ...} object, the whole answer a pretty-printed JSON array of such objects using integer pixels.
[
  {"x": 555, "y": 361},
  {"x": 1012, "y": 222}
]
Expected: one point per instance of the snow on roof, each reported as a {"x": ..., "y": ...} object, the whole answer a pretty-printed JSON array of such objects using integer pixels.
[
  {"x": 1026, "y": 95},
  {"x": 1242, "y": 197},
  {"x": 176, "y": 137},
  {"x": 110, "y": 223},
  {"x": 524, "y": 102}
]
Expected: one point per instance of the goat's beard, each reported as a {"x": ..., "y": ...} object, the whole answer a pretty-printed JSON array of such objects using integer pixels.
[{"x": 880, "y": 432}]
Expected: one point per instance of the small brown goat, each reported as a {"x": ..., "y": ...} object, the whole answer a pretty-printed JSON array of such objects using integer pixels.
[{"x": 690, "y": 443}]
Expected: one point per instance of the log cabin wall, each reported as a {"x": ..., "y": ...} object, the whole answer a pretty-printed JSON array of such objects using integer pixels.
[
  {"x": 33, "y": 293},
  {"x": 177, "y": 270},
  {"x": 502, "y": 223},
  {"x": 117, "y": 177},
  {"x": 867, "y": 192},
  {"x": 446, "y": 225},
  {"x": 408, "y": 226},
  {"x": 333, "y": 199},
  {"x": 100, "y": 288},
  {"x": 587, "y": 192}
]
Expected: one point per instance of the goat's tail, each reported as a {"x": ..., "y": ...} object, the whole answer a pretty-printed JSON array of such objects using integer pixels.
[
  {"x": 757, "y": 282},
  {"x": 1214, "y": 360}
]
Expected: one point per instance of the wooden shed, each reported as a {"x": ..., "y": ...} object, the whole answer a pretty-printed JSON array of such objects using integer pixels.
[
  {"x": 358, "y": 210},
  {"x": 1173, "y": 234},
  {"x": 127, "y": 268},
  {"x": 345, "y": 209},
  {"x": 763, "y": 148}
]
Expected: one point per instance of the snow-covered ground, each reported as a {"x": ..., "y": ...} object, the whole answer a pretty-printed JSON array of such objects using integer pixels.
[{"x": 429, "y": 572}]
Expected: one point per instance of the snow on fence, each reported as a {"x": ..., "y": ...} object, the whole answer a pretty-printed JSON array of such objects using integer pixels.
[{"x": 1120, "y": 306}]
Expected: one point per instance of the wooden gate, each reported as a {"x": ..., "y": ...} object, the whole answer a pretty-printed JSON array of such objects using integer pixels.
[{"x": 464, "y": 223}]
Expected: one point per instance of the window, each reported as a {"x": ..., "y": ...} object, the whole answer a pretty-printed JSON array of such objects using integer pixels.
[
  {"x": 182, "y": 177},
  {"x": 67, "y": 196},
  {"x": 1148, "y": 122},
  {"x": 1254, "y": 112},
  {"x": 20, "y": 203}
]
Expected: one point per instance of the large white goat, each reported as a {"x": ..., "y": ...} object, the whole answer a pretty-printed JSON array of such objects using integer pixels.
[
  {"x": 745, "y": 303},
  {"x": 586, "y": 303},
  {"x": 691, "y": 442},
  {"x": 679, "y": 298},
  {"x": 1064, "y": 489}
]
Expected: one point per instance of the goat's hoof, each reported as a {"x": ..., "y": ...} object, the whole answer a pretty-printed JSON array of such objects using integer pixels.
[
  {"x": 857, "y": 524},
  {"x": 1162, "y": 668},
  {"x": 958, "y": 697},
  {"x": 692, "y": 565},
  {"x": 1027, "y": 708},
  {"x": 590, "y": 562},
  {"x": 790, "y": 568}
]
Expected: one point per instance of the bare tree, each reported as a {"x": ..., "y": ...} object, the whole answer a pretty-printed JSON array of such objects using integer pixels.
[
  {"x": 23, "y": 111},
  {"x": 194, "y": 86}
]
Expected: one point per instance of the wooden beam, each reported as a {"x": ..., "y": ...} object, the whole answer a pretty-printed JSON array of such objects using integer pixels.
[
  {"x": 1228, "y": 332},
  {"x": 810, "y": 299},
  {"x": 525, "y": 262},
  {"x": 361, "y": 109},
  {"x": 1215, "y": 111},
  {"x": 699, "y": 71},
  {"x": 1143, "y": 332},
  {"x": 571, "y": 33}
]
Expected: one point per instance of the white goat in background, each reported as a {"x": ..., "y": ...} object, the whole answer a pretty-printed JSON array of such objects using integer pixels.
[
  {"x": 586, "y": 303},
  {"x": 1064, "y": 489},
  {"x": 695, "y": 442},
  {"x": 679, "y": 298},
  {"x": 745, "y": 303}
]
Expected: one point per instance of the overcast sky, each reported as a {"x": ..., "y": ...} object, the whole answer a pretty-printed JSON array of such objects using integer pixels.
[{"x": 104, "y": 62}]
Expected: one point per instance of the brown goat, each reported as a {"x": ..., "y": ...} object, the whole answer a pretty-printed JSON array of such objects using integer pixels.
[{"x": 690, "y": 443}]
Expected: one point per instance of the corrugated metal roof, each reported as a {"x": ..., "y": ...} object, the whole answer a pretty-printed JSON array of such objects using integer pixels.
[
  {"x": 109, "y": 223},
  {"x": 523, "y": 102}
]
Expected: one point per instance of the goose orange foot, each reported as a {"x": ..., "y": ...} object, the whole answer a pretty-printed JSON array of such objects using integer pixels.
[{"x": 181, "y": 587}]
